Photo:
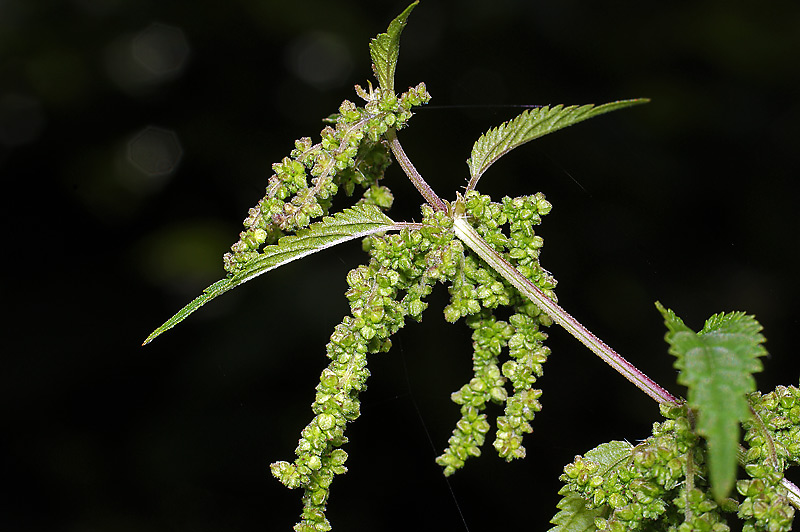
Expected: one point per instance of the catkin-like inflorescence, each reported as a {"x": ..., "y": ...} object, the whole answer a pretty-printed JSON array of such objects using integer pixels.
[
  {"x": 636, "y": 491},
  {"x": 773, "y": 433},
  {"x": 350, "y": 153},
  {"x": 401, "y": 272},
  {"x": 527, "y": 354},
  {"x": 489, "y": 337},
  {"x": 773, "y": 437},
  {"x": 375, "y": 315},
  {"x": 476, "y": 292},
  {"x": 662, "y": 482}
]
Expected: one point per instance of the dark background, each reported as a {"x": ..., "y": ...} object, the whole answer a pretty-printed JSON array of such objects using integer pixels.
[{"x": 134, "y": 136}]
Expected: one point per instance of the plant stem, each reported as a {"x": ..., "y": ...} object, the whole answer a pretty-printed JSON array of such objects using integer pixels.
[
  {"x": 687, "y": 509},
  {"x": 793, "y": 492},
  {"x": 465, "y": 232},
  {"x": 427, "y": 192}
]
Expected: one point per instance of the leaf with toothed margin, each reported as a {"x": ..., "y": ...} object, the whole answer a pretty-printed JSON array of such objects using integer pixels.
[
  {"x": 355, "y": 222},
  {"x": 573, "y": 515},
  {"x": 611, "y": 455},
  {"x": 532, "y": 124},
  {"x": 717, "y": 366},
  {"x": 385, "y": 48}
]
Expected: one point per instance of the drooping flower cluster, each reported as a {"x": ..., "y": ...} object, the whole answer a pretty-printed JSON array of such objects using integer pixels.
[
  {"x": 476, "y": 292},
  {"x": 402, "y": 270},
  {"x": 349, "y": 154}
]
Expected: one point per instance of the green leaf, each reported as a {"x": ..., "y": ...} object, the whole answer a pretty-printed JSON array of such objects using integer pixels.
[
  {"x": 385, "y": 48},
  {"x": 610, "y": 455},
  {"x": 355, "y": 222},
  {"x": 574, "y": 516},
  {"x": 531, "y": 124},
  {"x": 717, "y": 366}
]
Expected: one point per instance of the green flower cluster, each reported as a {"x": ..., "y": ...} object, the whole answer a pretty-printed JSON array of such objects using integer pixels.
[
  {"x": 479, "y": 286},
  {"x": 773, "y": 437},
  {"x": 527, "y": 356},
  {"x": 385, "y": 110},
  {"x": 695, "y": 510},
  {"x": 475, "y": 292},
  {"x": 489, "y": 337},
  {"x": 669, "y": 467},
  {"x": 635, "y": 491},
  {"x": 303, "y": 185},
  {"x": 402, "y": 270},
  {"x": 773, "y": 434},
  {"x": 765, "y": 505},
  {"x": 522, "y": 246}
]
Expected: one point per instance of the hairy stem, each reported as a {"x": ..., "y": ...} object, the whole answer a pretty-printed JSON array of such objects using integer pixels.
[
  {"x": 465, "y": 232},
  {"x": 687, "y": 509},
  {"x": 792, "y": 492},
  {"x": 690, "y": 472},
  {"x": 762, "y": 429},
  {"x": 475, "y": 242},
  {"x": 424, "y": 188}
]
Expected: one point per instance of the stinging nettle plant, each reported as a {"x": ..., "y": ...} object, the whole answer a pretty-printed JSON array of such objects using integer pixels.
[{"x": 683, "y": 477}]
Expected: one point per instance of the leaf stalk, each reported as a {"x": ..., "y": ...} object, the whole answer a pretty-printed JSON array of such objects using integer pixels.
[{"x": 408, "y": 167}]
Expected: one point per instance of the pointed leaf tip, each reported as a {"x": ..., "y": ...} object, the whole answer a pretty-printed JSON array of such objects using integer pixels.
[
  {"x": 385, "y": 49},
  {"x": 529, "y": 125},
  {"x": 351, "y": 223},
  {"x": 717, "y": 366}
]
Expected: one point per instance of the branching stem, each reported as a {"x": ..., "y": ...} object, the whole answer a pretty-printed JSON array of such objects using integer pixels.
[
  {"x": 465, "y": 232},
  {"x": 408, "y": 167}
]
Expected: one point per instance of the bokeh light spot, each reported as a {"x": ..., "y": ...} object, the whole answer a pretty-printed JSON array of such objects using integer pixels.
[
  {"x": 320, "y": 59},
  {"x": 161, "y": 49},
  {"x": 155, "y": 151},
  {"x": 138, "y": 63}
]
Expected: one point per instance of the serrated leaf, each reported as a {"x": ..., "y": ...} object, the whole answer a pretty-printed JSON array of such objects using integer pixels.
[
  {"x": 574, "y": 516},
  {"x": 355, "y": 222},
  {"x": 610, "y": 455},
  {"x": 717, "y": 366},
  {"x": 532, "y": 124},
  {"x": 385, "y": 48}
]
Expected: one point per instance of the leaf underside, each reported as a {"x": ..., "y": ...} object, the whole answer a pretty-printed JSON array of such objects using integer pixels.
[
  {"x": 573, "y": 515},
  {"x": 385, "y": 48},
  {"x": 717, "y": 366},
  {"x": 355, "y": 222},
  {"x": 532, "y": 124}
]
